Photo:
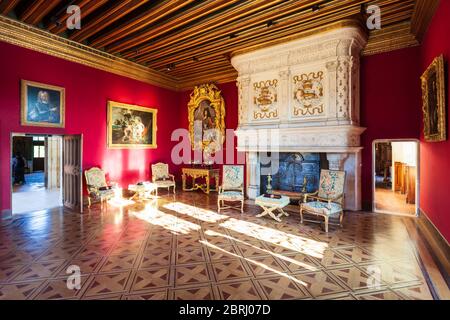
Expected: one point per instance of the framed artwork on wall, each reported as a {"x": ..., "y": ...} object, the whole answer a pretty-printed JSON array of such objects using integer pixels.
[
  {"x": 131, "y": 126},
  {"x": 206, "y": 118},
  {"x": 42, "y": 105},
  {"x": 433, "y": 97}
]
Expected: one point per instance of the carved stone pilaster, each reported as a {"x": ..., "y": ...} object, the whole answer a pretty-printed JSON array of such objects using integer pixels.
[
  {"x": 284, "y": 93},
  {"x": 254, "y": 175},
  {"x": 243, "y": 84}
]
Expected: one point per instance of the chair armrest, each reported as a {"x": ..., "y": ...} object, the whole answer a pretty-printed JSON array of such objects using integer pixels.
[
  {"x": 172, "y": 177},
  {"x": 310, "y": 195}
]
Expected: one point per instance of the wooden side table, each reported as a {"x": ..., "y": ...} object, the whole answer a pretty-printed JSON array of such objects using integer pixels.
[{"x": 196, "y": 173}]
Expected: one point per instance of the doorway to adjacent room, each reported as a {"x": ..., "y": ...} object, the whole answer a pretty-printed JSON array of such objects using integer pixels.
[
  {"x": 396, "y": 176},
  {"x": 36, "y": 172}
]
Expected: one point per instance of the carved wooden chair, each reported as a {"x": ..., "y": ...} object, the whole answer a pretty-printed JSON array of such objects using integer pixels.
[
  {"x": 98, "y": 188},
  {"x": 328, "y": 201},
  {"x": 232, "y": 188},
  {"x": 162, "y": 178}
]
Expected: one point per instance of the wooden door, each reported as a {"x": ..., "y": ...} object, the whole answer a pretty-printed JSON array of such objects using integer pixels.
[{"x": 72, "y": 172}]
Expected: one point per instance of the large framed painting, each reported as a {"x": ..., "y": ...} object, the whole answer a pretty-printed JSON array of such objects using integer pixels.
[
  {"x": 42, "y": 105},
  {"x": 206, "y": 118},
  {"x": 434, "y": 105},
  {"x": 131, "y": 126}
]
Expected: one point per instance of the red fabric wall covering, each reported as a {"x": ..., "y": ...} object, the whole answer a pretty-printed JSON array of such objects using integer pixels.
[
  {"x": 87, "y": 93},
  {"x": 435, "y": 157},
  {"x": 390, "y": 91}
]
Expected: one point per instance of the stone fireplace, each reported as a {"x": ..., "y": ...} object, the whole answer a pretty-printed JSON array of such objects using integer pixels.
[{"x": 302, "y": 97}]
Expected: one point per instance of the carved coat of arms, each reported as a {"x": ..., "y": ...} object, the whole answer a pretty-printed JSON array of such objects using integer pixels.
[
  {"x": 265, "y": 98},
  {"x": 308, "y": 94}
]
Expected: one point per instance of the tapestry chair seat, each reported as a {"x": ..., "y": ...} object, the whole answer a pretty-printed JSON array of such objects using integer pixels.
[
  {"x": 232, "y": 188},
  {"x": 328, "y": 201}
]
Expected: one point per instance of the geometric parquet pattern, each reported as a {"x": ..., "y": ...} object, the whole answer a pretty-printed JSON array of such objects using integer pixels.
[{"x": 179, "y": 247}]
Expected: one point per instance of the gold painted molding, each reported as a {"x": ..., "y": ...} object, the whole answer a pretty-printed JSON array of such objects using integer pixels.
[
  {"x": 424, "y": 11},
  {"x": 23, "y": 35},
  {"x": 390, "y": 38}
]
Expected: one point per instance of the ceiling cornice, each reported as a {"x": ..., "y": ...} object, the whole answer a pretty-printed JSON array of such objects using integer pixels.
[{"x": 26, "y": 36}]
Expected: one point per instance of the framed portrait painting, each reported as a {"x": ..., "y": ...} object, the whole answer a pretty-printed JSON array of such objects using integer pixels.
[
  {"x": 206, "y": 118},
  {"x": 433, "y": 99},
  {"x": 42, "y": 105},
  {"x": 131, "y": 126}
]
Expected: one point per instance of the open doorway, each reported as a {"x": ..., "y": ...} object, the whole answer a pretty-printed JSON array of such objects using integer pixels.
[
  {"x": 36, "y": 172},
  {"x": 396, "y": 176}
]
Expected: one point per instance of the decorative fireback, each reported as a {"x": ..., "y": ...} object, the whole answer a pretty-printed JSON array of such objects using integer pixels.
[{"x": 298, "y": 172}]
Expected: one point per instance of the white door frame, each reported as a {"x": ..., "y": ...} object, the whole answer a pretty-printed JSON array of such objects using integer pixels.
[
  {"x": 373, "y": 174},
  {"x": 22, "y": 134}
]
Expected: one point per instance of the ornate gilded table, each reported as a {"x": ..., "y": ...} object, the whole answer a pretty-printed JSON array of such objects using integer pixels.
[{"x": 196, "y": 173}]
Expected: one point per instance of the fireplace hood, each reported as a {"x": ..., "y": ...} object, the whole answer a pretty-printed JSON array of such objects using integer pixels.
[{"x": 303, "y": 96}]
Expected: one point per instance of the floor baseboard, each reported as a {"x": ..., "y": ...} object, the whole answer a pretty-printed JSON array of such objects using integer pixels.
[{"x": 436, "y": 241}]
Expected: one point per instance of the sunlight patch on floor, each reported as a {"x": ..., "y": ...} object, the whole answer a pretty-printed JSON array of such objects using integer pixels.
[
  {"x": 152, "y": 215},
  {"x": 283, "y": 239},
  {"x": 262, "y": 265},
  {"x": 195, "y": 212}
]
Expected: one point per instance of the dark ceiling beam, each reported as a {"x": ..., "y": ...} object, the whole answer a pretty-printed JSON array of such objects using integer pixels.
[
  {"x": 38, "y": 10},
  {"x": 58, "y": 24},
  {"x": 118, "y": 10},
  {"x": 145, "y": 19},
  {"x": 6, "y": 6},
  {"x": 201, "y": 11},
  {"x": 257, "y": 34},
  {"x": 424, "y": 11},
  {"x": 195, "y": 36}
]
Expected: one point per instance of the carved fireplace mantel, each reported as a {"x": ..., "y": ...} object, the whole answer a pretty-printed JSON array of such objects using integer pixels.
[{"x": 303, "y": 96}]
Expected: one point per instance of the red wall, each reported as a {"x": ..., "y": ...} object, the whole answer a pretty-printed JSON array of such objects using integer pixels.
[
  {"x": 87, "y": 93},
  {"x": 230, "y": 95},
  {"x": 435, "y": 157},
  {"x": 390, "y": 91}
]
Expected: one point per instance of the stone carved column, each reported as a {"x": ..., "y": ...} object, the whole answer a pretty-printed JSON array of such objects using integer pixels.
[
  {"x": 283, "y": 91},
  {"x": 336, "y": 160},
  {"x": 332, "y": 89},
  {"x": 253, "y": 175},
  {"x": 243, "y": 87}
]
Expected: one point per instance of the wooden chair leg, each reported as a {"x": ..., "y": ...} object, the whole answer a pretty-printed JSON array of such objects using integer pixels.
[
  {"x": 89, "y": 202},
  {"x": 326, "y": 224},
  {"x": 242, "y": 206},
  {"x": 341, "y": 218},
  {"x": 218, "y": 205},
  {"x": 301, "y": 215}
]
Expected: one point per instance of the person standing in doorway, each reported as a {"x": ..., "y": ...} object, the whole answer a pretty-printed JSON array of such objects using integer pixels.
[{"x": 19, "y": 165}]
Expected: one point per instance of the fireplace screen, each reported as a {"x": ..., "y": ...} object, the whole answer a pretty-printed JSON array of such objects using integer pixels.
[{"x": 297, "y": 172}]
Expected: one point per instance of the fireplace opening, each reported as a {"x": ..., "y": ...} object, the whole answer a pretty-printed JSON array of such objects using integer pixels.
[{"x": 297, "y": 173}]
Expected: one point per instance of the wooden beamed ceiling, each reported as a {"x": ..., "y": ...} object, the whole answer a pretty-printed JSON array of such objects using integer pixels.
[{"x": 192, "y": 40}]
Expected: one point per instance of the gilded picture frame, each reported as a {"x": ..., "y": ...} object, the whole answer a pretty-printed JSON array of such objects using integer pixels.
[
  {"x": 131, "y": 126},
  {"x": 433, "y": 101},
  {"x": 42, "y": 105},
  {"x": 206, "y": 109}
]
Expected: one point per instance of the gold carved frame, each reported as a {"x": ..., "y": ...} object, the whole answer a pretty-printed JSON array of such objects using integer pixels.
[
  {"x": 437, "y": 70},
  {"x": 24, "y": 105},
  {"x": 111, "y": 145},
  {"x": 211, "y": 93}
]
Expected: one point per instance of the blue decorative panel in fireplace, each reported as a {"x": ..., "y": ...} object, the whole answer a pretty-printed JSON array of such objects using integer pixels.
[{"x": 293, "y": 169}]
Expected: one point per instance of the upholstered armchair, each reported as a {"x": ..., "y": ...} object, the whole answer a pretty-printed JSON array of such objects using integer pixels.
[
  {"x": 328, "y": 201},
  {"x": 97, "y": 187},
  {"x": 162, "y": 178},
  {"x": 232, "y": 188}
]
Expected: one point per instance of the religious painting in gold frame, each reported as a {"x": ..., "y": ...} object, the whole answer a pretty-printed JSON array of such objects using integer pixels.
[
  {"x": 433, "y": 98},
  {"x": 130, "y": 126},
  {"x": 206, "y": 118}
]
